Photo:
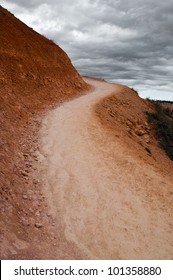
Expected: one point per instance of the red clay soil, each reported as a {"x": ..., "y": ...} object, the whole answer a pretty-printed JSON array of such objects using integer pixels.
[{"x": 35, "y": 74}]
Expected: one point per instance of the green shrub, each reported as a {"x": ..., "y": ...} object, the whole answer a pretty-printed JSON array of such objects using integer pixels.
[
  {"x": 163, "y": 124},
  {"x": 135, "y": 91},
  {"x": 168, "y": 112}
]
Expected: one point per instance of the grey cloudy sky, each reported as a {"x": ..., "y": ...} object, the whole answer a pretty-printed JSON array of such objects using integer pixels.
[{"x": 124, "y": 41}]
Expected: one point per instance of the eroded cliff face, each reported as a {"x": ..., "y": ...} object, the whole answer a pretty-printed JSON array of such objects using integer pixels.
[
  {"x": 35, "y": 74},
  {"x": 33, "y": 67}
]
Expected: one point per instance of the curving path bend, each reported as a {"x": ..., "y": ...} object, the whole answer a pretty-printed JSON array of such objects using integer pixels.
[{"x": 93, "y": 187}]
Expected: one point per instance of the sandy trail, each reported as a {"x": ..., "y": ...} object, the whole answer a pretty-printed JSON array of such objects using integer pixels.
[{"x": 97, "y": 189}]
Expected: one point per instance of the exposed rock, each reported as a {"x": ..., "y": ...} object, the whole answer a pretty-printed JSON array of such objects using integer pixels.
[
  {"x": 140, "y": 132},
  {"x": 28, "y": 165},
  {"x": 24, "y": 173},
  {"x": 146, "y": 138},
  {"x": 38, "y": 225}
]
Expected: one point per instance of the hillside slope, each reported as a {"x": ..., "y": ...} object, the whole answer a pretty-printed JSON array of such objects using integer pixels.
[{"x": 35, "y": 74}]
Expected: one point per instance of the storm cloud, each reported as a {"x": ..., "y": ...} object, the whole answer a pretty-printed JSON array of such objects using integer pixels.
[{"x": 129, "y": 42}]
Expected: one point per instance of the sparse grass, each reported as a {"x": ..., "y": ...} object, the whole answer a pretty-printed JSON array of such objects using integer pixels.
[{"x": 162, "y": 119}]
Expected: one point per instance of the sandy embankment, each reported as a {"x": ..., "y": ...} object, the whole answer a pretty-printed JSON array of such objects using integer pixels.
[{"x": 97, "y": 189}]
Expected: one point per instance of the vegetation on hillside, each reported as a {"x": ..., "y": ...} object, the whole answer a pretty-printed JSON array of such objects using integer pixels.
[
  {"x": 135, "y": 91},
  {"x": 162, "y": 119}
]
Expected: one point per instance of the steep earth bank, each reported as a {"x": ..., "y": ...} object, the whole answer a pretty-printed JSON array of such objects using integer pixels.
[{"x": 35, "y": 75}]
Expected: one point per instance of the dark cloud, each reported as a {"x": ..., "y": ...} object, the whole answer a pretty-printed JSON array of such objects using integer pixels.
[{"x": 130, "y": 42}]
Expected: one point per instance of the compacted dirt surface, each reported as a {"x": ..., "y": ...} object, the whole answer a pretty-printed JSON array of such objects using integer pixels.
[{"x": 102, "y": 178}]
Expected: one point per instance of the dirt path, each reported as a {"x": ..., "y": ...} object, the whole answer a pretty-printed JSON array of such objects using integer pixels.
[{"x": 97, "y": 189}]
